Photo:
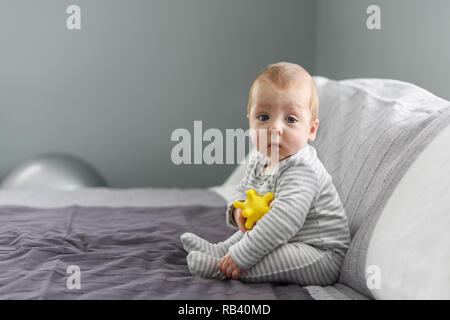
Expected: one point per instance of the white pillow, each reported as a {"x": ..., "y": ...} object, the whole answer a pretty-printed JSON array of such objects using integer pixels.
[{"x": 411, "y": 241}]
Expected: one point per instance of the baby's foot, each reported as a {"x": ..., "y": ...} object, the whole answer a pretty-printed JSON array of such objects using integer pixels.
[
  {"x": 192, "y": 242},
  {"x": 204, "y": 265}
]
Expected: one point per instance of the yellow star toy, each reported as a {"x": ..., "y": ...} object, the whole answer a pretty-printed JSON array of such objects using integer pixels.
[{"x": 254, "y": 207}]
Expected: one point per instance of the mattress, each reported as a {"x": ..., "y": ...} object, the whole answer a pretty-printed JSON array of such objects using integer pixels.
[{"x": 111, "y": 197}]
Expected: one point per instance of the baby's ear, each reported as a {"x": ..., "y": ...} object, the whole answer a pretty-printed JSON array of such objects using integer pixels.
[{"x": 313, "y": 130}]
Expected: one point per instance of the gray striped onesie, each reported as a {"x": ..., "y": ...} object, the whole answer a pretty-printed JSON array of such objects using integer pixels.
[{"x": 302, "y": 239}]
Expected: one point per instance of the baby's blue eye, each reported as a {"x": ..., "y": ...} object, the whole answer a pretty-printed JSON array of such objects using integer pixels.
[
  {"x": 263, "y": 117},
  {"x": 291, "y": 120}
]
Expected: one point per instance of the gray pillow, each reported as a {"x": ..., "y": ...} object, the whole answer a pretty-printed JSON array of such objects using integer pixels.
[{"x": 370, "y": 132}]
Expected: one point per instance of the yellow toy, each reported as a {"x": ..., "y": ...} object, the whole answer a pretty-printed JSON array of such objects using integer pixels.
[{"x": 254, "y": 207}]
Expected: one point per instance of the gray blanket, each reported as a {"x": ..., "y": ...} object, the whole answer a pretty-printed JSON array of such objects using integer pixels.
[{"x": 122, "y": 253}]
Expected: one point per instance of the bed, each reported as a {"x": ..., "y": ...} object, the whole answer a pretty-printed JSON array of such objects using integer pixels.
[{"x": 386, "y": 144}]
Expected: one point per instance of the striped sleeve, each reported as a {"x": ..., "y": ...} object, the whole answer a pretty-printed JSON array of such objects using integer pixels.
[{"x": 296, "y": 189}]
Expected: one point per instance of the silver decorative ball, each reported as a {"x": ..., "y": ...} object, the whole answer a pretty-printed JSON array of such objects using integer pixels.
[{"x": 54, "y": 171}]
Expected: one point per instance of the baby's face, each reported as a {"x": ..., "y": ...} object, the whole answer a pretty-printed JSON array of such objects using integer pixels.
[{"x": 284, "y": 116}]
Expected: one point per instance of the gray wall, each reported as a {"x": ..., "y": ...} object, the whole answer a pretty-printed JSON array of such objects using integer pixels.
[
  {"x": 413, "y": 44},
  {"x": 113, "y": 92}
]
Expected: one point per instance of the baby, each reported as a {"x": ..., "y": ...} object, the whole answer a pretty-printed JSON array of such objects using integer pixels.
[{"x": 305, "y": 235}]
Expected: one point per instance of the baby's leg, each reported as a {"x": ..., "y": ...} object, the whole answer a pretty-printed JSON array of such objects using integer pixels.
[
  {"x": 203, "y": 265},
  {"x": 192, "y": 242},
  {"x": 296, "y": 263}
]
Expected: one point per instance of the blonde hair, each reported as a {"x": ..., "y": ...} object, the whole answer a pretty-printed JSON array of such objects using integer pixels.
[{"x": 282, "y": 74}]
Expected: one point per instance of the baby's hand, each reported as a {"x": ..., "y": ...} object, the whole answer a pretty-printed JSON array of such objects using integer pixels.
[
  {"x": 229, "y": 268},
  {"x": 240, "y": 220}
]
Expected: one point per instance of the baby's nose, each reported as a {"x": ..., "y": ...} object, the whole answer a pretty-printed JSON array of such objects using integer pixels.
[{"x": 275, "y": 130}]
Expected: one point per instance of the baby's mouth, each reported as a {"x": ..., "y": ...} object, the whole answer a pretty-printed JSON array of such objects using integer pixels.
[{"x": 274, "y": 145}]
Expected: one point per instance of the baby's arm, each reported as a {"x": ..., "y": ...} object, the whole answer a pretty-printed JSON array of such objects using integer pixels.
[
  {"x": 296, "y": 189},
  {"x": 239, "y": 191},
  {"x": 238, "y": 194}
]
